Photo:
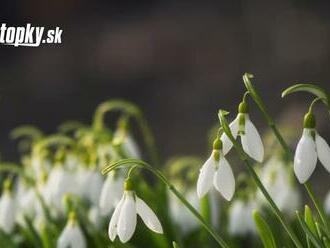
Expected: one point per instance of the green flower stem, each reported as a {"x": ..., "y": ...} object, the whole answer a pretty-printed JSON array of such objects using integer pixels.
[
  {"x": 257, "y": 99},
  {"x": 131, "y": 110},
  {"x": 245, "y": 158},
  {"x": 161, "y": 176}
]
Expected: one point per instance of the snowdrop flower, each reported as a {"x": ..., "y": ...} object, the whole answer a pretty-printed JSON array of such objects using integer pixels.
[
  {"x": 111, "y": 193},
  {"x": 71, "y": 235},
  {"x": 60, "y": 182},
  {"x": 277, "y": 179},
  {"x": 123, "y": 220},
  {"x": 250, "y": 137},
  {"x": 310, "y": 147},
  {"x": 7, "y": 209},
  {"x": 95, "y": 217},
  {"x": 216, "y": 171},
  {"x": 179, "y": 213},
  {"x": 240, "y": 218}
]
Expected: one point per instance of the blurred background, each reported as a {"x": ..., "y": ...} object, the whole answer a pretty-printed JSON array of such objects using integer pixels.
[{"x": 179, "y": 60}]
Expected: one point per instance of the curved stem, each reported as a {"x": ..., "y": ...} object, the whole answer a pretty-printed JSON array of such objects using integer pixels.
[
  {"x": 131, "y": 110},
  {"x": 161, "y": 176},
  {"x": 313, "y": 103},
  {"x": 245, "y": 158},
  {"x": 257, "y": 99}
]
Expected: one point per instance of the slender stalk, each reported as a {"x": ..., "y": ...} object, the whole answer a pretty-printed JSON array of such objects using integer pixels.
[
  {"x": 245, "y": 158},
  {"x": 258, "y": 100},
  {"x": 162, "y": 177},
  {"x": 131, "y": 110}
]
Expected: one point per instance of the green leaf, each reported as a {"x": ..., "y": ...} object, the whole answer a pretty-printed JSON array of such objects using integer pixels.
[
  {"x": 313, "y": 89},
  {"x": 264, "y": 231},
  {"x": 310, "y": 220},
  {"x": 314, "y": 239}
]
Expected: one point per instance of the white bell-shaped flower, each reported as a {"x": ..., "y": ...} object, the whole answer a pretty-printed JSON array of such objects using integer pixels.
[
  {"x": 216, "y": 171},
  {"x": 124, "y": 218},
  {"x": 250, "y": 138},
  {"x": 60, "y": 182},
  {"x": 180, "y": 215},
  {"x": 111, "y": 193},
  {"x": 277, "y": 179},
  {"x": 310, "y": 147},
  {"x": 240, "y": 218},
  {"x": 71, "y": 236},
  {"x": 7, "y": 209}
]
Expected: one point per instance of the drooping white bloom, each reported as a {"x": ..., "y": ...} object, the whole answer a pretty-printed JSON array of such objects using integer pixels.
[
  {"x": 250, "y": 138},
  {"x": 131, "y": 148},
  {"x": 124, "y": 218},
  {"x": 310, "y": 147},
  {"x": 7, "y": 211},
  {"x": 93, "y": 186},
  {"x": 180, "y": 214},
  {"x": 240, "y": 218},
  {"x": 277, "y": 179},
  {"x": 95, "y": 217},
  {"x": 111, "y": 193},
  {"x": 59, "y": 183},
  {"x": 71, "y": 236},
  {"x": 217, "y": 173}
]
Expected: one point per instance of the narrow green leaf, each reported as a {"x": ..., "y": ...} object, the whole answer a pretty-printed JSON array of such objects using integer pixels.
[
  {"x": 314, "y": 239},
  {"x": 313, "y": 89},
  {"x": 264, "y": 231},
  {"x": 310, "y": 220}
]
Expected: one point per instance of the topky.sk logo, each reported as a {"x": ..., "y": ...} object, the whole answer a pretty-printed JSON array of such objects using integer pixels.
[{"x": 29, "y": 36}]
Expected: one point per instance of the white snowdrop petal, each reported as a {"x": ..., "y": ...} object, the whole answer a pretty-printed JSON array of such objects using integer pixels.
[
  {"x": 7, "y": 213},
  {"x": 251, "y": 141},
  {"x": 131, "y": 147},
  {"x": 227, "y": 144},
  {"x": 224, "y": 180},
  {"x": 127, "y": 218},
  {"x": 111, "y": 193},
  {"x": 204, "y": 182},
  {"x": 148, "y": 216},
  {"x": 323, "y": 151},
  {"x": 72, "y": 237},
  {"x": 112, "y": 230},
  {"x": 305, "y": 158}
]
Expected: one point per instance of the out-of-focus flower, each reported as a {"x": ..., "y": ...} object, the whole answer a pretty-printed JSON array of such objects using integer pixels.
[
  {"x": 216, "y": 171},
  {"x": 95, "y": 217},
  {"x": 71, "y": 235},
  {"x": 310, "y": 147},
  {"x": 7, "y": 209},
  {"x": 277, "y": 179},
  {"x": 90, "y": 181},
  {"x": 60, "y": 182},
  {"x": 250, "y": 138},
  {"x": 240, "y": 217},
  {"x": 111, "y": 193},
  {"x": 180, "y": 214},
  {"x": 123, "y": 220},
  {"x": 130, "y": 147}
]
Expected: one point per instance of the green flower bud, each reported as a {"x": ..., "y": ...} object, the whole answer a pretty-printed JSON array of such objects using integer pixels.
[
  {"x": 309, "y": 120},
  {"x": 243, "y": 108}
]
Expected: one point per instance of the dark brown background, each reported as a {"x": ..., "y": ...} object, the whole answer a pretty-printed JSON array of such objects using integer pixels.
[{"x": 179, "y": 60}]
